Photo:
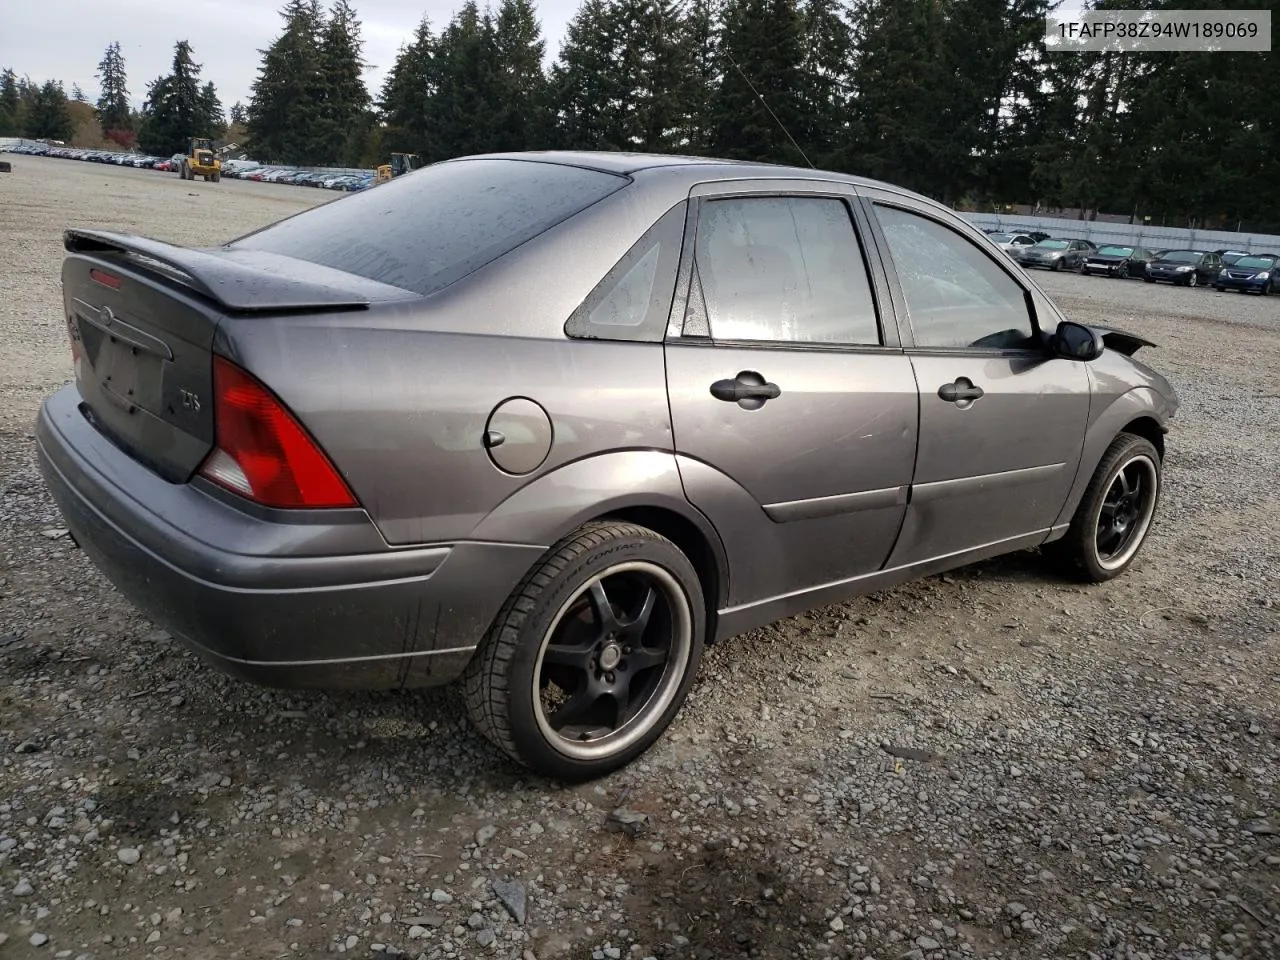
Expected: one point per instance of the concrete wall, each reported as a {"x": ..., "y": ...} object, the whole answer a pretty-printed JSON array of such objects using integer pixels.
[{"x": 1136, "y": 234}]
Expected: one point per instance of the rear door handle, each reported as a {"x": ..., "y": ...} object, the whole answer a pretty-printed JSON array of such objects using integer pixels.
[
  {"x": 963, "y": 389},
  {"x": 748, "y": 389}
]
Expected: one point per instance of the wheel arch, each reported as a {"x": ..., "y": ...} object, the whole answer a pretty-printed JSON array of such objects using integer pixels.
[
  {"x": 1142, "y": 411},
  {"x": 1147, "y": 427},
  {"x": 693, "y": 542},
  {"x": 639, "y": 486}
]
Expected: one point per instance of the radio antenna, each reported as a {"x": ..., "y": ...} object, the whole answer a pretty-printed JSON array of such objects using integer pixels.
[{"x": 765, "y": 104}]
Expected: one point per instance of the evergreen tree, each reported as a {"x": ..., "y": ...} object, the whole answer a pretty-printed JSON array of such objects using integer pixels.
[
  {"x": 407, "y": 93},
  {"x": 239, "y": 116},
  {"x": 341, "y": 127},
  {"x": 287, "y": 97},
  {"x": 628, "y": 78},
  {"x": 584, "y": 92},
  {"x": 113, "y": 100},
  {"x": 178, "y": 107},
  {"x": 77, "y": 94},
  {"x": 762, "y": 46},
  {"x": 10, "y": 105},
  {"x": 462, "y": 117},
  {"x": 828, "y": 43},
  {"x": 899, "y": 77},
  {"x": 48, "y": 117},
  {"x": 702, "y": 19},
  {"x": 520, "y": 85},
  {"x": 215, "y": 118}
]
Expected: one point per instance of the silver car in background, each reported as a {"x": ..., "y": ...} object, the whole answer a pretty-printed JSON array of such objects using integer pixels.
[
  {"x": 548, "y": 423},
  {"x": 1055, "y": 253}
]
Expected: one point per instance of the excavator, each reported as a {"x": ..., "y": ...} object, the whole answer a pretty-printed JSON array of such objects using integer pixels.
[
  {"x": 401, "y": 163},
  {"x": 201, "y": 160}
]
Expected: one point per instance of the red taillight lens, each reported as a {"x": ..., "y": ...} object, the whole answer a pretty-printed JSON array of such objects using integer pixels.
[
  {"x": 262, "y": 452},
  {"x": 106, "y": 279}
]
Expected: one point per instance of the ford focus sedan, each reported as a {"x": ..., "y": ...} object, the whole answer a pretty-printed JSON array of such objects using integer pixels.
[{"x": 546, "y": 424}]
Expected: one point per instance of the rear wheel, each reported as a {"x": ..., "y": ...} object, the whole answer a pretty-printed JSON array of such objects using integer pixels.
[
  {"x": 592, "y": 655},
  {"x": 1114, "y": 516}
]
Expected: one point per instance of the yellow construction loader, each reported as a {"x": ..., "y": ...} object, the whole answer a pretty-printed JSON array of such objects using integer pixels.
[
  {"x": 401, "y": 163},
  {"x": 201, "y": 160}
]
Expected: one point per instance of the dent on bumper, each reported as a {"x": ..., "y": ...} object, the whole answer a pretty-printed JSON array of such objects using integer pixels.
[{"x": 320, "y": 603}]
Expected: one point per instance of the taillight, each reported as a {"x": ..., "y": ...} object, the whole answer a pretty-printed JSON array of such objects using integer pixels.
[
  {"x": 261, "y": 452},
  {"x": 104, "y": 278}
]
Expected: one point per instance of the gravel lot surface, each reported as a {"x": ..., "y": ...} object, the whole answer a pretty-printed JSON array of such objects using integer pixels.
[{"x": 992, "y": 763}]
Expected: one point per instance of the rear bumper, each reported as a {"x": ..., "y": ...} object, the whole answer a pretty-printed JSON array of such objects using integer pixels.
[{"x": 315, "y": 601}]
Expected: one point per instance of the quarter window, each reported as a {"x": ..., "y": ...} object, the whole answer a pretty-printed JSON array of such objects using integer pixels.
[
  {"x": 956, "y": 295},
  {"x": 784, "y": 269}
]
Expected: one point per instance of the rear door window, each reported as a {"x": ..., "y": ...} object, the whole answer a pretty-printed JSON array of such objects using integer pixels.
[
  {"x": 427, "y": 229},
  {"x": 784, "y": 270}
]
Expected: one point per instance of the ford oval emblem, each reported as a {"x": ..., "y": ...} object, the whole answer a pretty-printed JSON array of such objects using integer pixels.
[{"x": 106, "y": 316}]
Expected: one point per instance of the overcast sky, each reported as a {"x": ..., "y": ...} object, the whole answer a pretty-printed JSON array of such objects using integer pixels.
[{"x": 64, "y": 39}]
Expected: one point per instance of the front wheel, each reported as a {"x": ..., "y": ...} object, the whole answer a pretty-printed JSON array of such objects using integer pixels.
[
  {"x": 1193, "y": 280},
  {"x": 1114, "y": 516},
  {"x": 1123, "y": 272},
  {"x": 593, "y": 654}
]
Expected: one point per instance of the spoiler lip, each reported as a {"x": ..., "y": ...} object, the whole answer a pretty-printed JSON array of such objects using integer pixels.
[{"x": 240, "y": 281}]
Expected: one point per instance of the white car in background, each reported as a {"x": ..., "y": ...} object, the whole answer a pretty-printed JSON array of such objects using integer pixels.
[{"x": 1007, "y": 241}]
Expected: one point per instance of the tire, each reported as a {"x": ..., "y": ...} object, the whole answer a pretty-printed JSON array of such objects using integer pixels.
[
  {"x": 1266, "y": 290},
  {"x": 1123, "y": 272},
  {"x": 1057, "y": 265},
  {"x": 1193, "y": 280},
  {"x": 1149, "y": 279},
  {"x": 558, "y": 604},
  {"x": 1084, "y": 552}
]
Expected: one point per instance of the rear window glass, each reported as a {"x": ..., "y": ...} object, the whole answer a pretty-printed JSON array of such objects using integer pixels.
[{"x": 427, "y": 229}]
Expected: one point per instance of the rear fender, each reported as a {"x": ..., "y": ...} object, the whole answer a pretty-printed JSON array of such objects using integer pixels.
[{"x": 557, "y": 503}]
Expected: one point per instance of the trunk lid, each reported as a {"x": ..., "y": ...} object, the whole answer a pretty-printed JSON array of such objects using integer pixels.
[
  {"x": 144, "y": 364},
  {"x": 142, "y": 316}
]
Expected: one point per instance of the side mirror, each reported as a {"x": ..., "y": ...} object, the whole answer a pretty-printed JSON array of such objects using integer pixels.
[{"x": 1075, "y": 341}]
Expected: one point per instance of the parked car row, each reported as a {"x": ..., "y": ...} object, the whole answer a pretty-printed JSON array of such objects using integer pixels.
[
  {"x": 1222, "y": 269},
  {"x": 266, "y": 173},
  {"x": 236, "y": 169}
]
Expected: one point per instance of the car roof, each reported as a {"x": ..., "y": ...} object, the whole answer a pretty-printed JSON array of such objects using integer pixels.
[{"x": 686, "y": 170}]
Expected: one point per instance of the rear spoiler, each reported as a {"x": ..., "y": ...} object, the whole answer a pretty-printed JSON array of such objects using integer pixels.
[{"x": 242, "y": 281}]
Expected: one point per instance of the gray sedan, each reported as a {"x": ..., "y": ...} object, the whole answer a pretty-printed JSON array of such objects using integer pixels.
[
  {"x": 549, "y": 423},
  {"x": 1055, "y": 254}
]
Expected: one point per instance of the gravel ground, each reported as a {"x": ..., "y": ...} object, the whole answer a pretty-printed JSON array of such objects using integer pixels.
[{"x": 992, "y": 763}]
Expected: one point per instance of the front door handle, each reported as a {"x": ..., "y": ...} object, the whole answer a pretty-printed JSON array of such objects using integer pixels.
[
  {"x": 962, "y": 390},
  {"x": 748, "y": 389}
]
